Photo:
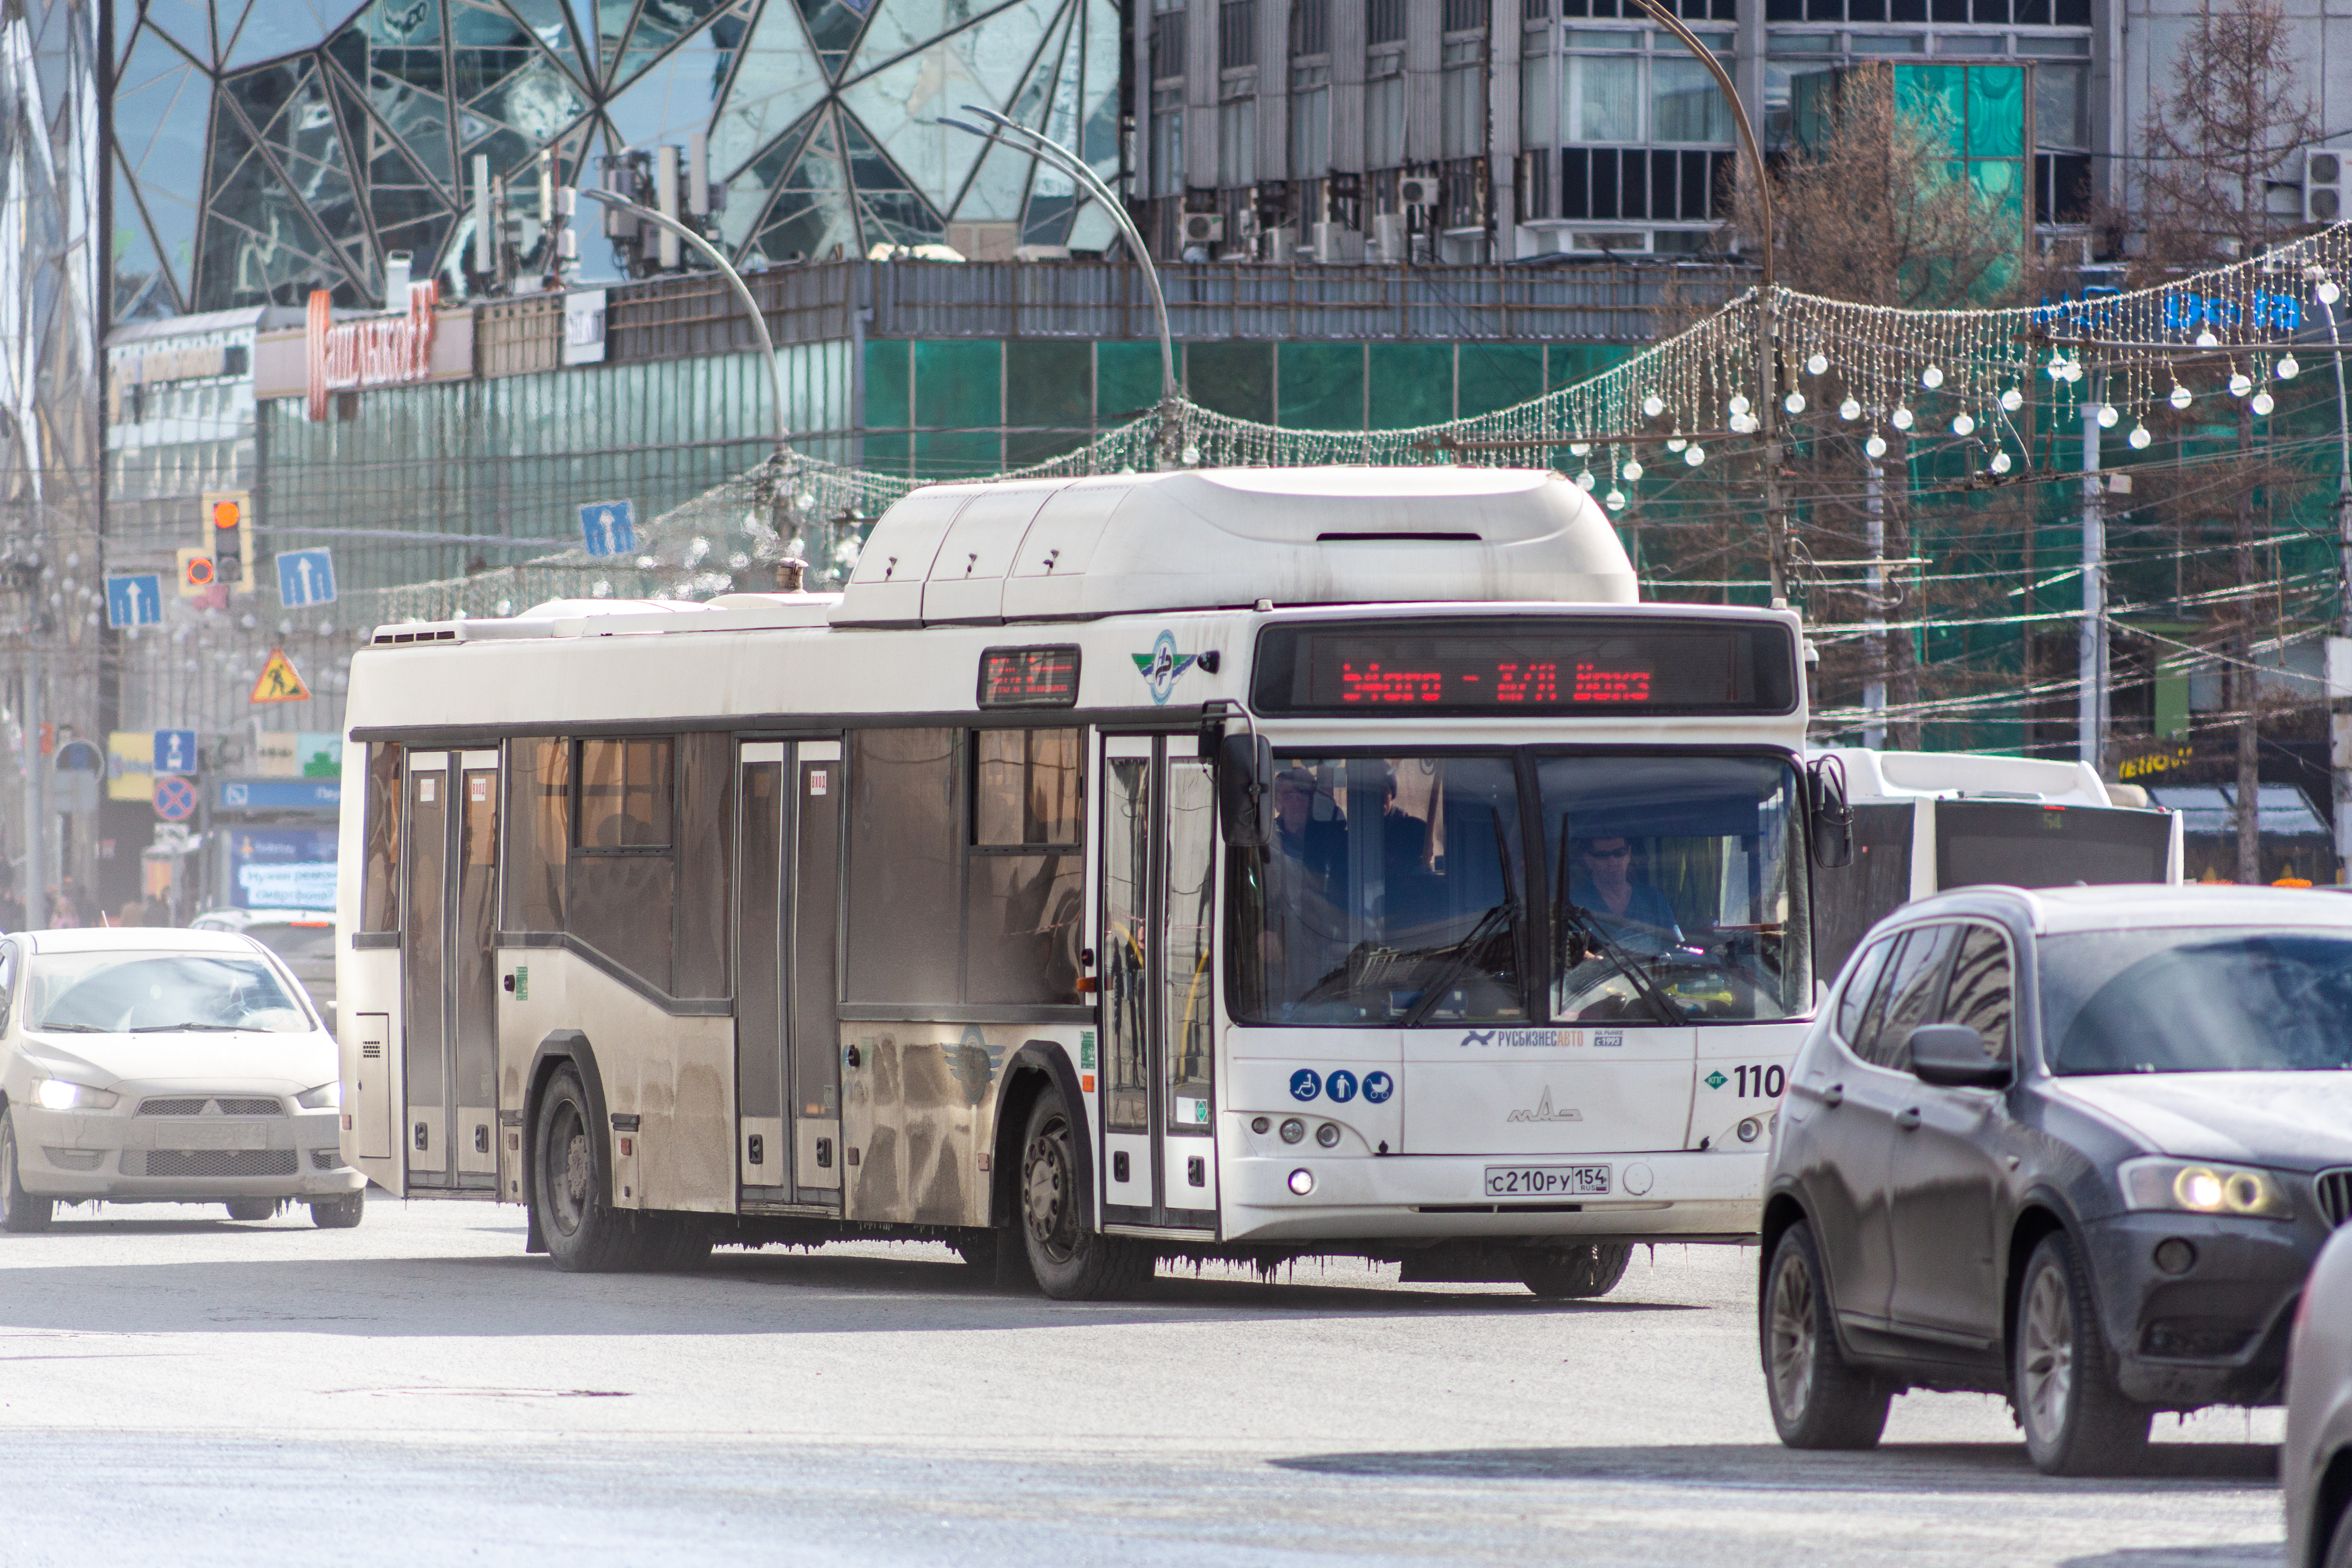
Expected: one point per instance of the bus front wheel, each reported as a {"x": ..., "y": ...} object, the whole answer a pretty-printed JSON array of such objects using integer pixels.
[{"x": 1072, "y": 1261}]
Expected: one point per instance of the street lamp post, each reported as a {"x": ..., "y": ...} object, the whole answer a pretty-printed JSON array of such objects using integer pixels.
[
  {"x": 1070, "y": 163},
  {"x": 1767, "y": 328}
]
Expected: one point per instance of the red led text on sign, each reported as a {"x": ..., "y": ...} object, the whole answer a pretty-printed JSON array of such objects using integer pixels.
[
  {"x": 1029, "y": 678},
  {"x": 1535, "y": 683}
]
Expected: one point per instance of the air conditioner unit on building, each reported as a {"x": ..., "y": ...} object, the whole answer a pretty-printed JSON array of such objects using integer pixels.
[
  {"x": 1205, "y": 229},
  {"x": 1389, "y": 239},
  {"x": 1336, "y": 243},
  {"x": 2323, "y": 187},
  {"x": 1417, "y": 191}
]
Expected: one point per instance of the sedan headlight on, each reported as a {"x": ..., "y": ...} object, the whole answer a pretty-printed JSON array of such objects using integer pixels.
[
  {"x": 2201, "y": 1186},
  {"x": 57, "y": 1094},
  {"x": 326, "y": 1096}
]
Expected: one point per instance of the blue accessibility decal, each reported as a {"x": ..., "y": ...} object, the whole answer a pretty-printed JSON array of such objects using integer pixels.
[
  {"x": 1340, "y": 1086},
  {"x": 1305, "y": 1084},
  {"x": 1378, "y": 1086}
]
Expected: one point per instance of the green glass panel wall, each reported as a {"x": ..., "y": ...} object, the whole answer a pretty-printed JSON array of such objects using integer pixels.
[
  {"x": 1127, "y": 383},
  {"x": 1996, "y": 97},
  {"x": 1235, "y": 379},
  {"x": 1049, "y": 382},
  {"x": 1410, "y": 384},
  {"x": 1497, "y": 376},
  {"x": 1933, "y": 99},
  {"x": 958, "y": 383},
  {"x": 888, "y": 384},
  {"x": 1322, "y": 387}
]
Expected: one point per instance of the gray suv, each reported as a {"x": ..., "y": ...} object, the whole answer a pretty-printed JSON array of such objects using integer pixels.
[{"x": 2076, "y": 1146}]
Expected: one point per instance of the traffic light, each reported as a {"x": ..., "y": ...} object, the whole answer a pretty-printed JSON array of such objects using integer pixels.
[{"x": 228, "y": 528}]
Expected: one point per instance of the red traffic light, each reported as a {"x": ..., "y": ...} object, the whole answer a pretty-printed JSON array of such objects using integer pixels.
[
  {"x": 228, "y": 514},
  {"x": 197, "y": 571}
]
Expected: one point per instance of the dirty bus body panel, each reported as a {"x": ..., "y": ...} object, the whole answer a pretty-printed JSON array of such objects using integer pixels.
[
  {"x": 1927, "y": 821},
  {"x": 925, "y": 908}
]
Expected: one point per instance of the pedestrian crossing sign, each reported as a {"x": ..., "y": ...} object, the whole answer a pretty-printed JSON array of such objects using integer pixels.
[{"x": 279, "y": 683}]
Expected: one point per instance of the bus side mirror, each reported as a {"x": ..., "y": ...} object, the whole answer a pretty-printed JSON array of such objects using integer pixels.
[
  {"x": 1246, "y": 790},
  {"x": 1833, "y": 818}
]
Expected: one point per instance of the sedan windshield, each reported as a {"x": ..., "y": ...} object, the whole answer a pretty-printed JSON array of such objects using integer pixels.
[
  {"x": 1672, "y": 889},
  {"x": 2198, "y": 1000},
  {"x": 154, "y": 992}
]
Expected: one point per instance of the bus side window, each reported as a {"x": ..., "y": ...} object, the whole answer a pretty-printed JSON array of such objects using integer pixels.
[
  {"x": 538, "y": 832},
  {"x": 905, "y": 849},
  {"x": 706, "y": 823},
  {"x": 379, "y": 869},
  {"x": 622, "y": 892}
]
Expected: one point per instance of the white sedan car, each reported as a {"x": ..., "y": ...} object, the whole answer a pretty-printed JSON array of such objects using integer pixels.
[{"x": 143, "y": 1065}]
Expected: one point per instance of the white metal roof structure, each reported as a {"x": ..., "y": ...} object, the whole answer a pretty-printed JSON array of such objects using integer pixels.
[
  {"x": 1913, "y": 775},
  {"x": 1209, "y": 539}
]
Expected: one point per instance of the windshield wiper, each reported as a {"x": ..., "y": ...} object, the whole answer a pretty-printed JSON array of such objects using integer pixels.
[
  {"x": 72, "y": 1029},
  {"x": 1457, "y": 961},
  {"x": 1579, "y": 921},
  {"x": 190, "y": 1028}
]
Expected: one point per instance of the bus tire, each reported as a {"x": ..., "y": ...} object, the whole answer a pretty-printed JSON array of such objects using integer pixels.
[
  {"x": 1574, "y": 1273},
  {"x": 19, "y": 1210},
  {"x": 584, "y": 1234},
  {"x": 1071, "y": 1261},
  {"x": 339, "y": 1214}
]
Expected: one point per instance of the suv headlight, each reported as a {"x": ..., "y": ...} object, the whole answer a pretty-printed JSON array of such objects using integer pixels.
[
  {"x": 326, "y": 1096},
  {"x": 57, "y": 1094},
  {"x": 2201, "y": 1186}
]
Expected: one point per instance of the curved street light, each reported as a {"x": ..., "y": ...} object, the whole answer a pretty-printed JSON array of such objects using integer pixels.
[
  {"x": 1768, "y": 330},
  {"x": 1070, "y": 163}
]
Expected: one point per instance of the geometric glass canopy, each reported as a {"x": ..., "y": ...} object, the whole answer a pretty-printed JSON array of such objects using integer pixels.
[{"x": 263, "y": 148}]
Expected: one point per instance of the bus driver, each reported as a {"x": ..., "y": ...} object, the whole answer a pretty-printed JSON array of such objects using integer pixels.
[{"x": 1627, "y": 910}]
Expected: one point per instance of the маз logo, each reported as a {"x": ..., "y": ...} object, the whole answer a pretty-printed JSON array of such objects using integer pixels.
[{"x": 1544, "y": 1112}]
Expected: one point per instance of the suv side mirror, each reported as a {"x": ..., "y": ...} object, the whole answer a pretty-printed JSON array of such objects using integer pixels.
[
  {"x": 1244, "y": 786},
  {"x": 1833, "y": 818},
  {"x": 1953, "y": 1055}
]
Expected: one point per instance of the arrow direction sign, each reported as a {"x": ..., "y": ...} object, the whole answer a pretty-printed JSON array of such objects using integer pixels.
[
  {"x": 134, "y": 601},
  {"x": 609, "y": 527},
  {"x": 176, "y": 751},
  {"x": 306, "y": 577}
]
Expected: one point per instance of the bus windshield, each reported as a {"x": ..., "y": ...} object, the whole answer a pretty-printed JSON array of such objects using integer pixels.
[
  {"x": 1675, "y": 893},
  {"x": 1396, "y": 891}
]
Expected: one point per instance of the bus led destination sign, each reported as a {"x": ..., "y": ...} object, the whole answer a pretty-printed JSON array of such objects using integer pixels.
[{"x": 1531, "y": 666}]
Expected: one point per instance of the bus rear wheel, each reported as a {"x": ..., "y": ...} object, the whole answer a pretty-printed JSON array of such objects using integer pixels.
[
  {"x": 1571, "y": 1273},
  {"x": 1072, "y": 1261}
]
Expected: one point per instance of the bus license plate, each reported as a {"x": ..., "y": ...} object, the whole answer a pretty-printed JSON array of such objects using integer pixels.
[{"x": 1546, "y": 1181}]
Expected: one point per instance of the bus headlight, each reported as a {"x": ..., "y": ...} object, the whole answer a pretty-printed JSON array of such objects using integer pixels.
[
  {"x": 1293, "y": 1129},
  {"x": 1328, "y": 1135}
]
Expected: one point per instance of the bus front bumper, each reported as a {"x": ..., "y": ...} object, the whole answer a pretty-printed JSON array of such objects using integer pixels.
[{"x": 1683, "y": 1195}]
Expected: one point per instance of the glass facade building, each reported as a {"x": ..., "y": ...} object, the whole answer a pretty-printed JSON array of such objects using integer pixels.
[{"x": 262, "y": 148}]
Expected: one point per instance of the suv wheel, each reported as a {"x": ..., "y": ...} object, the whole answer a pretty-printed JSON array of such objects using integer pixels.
[
  {"x": 2076, "y": 1421},
  {"x": 1820, "y": 1400}
]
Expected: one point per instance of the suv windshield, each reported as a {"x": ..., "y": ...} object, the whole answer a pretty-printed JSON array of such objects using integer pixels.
[
  {"x": 138, "y": 992},
  {"x": 1672, "y": 895},
  {"x": 2195, "y": 999}
]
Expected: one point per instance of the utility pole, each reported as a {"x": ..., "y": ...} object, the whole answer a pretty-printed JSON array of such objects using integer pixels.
[
  {"x": 1874, "y": 588},
  {"x": 2339, "y": 725},
  {"x": 2090, "y": 700},
  {"x": 37, "y": 816}
]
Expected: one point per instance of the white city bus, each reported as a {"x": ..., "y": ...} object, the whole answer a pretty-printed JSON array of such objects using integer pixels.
[
  {"x": 1925, "y": 821},
  {"x": 1247, "y": 863}
]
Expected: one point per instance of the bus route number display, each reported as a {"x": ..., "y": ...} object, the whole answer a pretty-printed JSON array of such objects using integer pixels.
[
  {"x": 1549, "y": 667},
  {"x": 1029, "y": 676}
]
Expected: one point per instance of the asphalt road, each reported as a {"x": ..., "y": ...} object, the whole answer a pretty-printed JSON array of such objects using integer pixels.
[{"x": 181, "y": 1388}]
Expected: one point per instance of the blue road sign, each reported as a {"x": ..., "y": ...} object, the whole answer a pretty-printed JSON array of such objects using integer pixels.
[
  {"x": 134, "y": 601},
  {"x": 176, "y": 751},
  {"x": 610, "y": 527},
  {"x": 306, "y": 577}
]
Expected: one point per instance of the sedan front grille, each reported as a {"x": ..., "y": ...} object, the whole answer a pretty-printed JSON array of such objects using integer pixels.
[
  {"x": 271, "y": 1107},
  {"x": 2335, "y": 1195},
  {"x": 171, "y": 1107},
  {"x": 194, "y": 1106},
  {"x": 220, "y": 1163}
]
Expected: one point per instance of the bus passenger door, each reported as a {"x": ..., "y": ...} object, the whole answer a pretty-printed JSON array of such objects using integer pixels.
[
  {"x": 764, "y": 1163},
  {"x": 473, "y": 973},
  {"x": 814, "y": 987},
  {"x": 1157, "y": 976},
  {"x": 424, "y": 938}
]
